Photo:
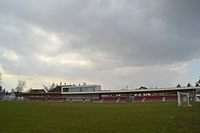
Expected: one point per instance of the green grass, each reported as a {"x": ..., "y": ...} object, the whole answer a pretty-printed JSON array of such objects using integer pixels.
[{"x": 43, "y": 117}]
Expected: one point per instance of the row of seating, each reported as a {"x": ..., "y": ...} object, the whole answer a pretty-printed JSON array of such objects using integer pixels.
[
  {"x": 138, "y": 99},
  {"x": 57, "y": 99},
  {"x": 110, "y": 99},
  {"x": 154, "y": 98}
]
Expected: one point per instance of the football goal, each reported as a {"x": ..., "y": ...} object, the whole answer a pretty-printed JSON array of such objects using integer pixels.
[{"x": 183, "y": 99}]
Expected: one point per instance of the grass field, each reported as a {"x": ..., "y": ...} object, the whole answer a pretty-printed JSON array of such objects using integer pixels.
[{"x": 41, "y": 117}]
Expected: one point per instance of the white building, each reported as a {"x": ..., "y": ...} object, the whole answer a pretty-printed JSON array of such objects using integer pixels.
[{"x": 80, "y": 88}]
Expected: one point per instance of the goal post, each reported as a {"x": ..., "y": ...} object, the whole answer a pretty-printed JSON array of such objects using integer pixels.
[{"x": 183, "y": 99}]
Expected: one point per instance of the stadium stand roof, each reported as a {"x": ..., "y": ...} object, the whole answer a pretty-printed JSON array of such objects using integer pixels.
[{"x": 134, "y": 91}]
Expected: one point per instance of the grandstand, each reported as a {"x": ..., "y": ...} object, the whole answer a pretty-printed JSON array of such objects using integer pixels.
[{"x": 93, "y": 93}]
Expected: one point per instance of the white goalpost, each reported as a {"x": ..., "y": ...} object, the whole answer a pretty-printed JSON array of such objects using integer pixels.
[{"x": 183, "y": 99}]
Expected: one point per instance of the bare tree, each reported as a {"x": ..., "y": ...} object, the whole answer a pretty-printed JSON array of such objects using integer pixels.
[
  {"x": 178, "y": 86},
  {"x": 53, "y": 86},
  {"x": 20, "y": 86},
  {"x": 1, "y": 88},
  {"x": 12, "y": 90},
  {"x": 189, "y": 84}
]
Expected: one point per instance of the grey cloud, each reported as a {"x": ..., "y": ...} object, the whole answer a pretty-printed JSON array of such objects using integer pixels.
[
  {"x": 110, "y": 34},
  {"x": 138, "y": 33}
]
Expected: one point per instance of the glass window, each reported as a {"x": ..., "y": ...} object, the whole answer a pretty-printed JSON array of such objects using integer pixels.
[
  {"x": 198, "y": 91},
  {"x": 65, "y": 89}
]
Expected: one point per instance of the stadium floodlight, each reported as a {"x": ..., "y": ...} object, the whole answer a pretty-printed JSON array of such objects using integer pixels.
[{"x": 183, "y": 99}]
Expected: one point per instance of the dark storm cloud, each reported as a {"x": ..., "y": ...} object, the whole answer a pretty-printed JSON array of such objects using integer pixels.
[
  {"x": 133, "y": 32},
  {"x": 108, "y": 34}
]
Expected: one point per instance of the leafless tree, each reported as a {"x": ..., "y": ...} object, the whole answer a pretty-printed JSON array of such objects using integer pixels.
[
  {"x": 20, "y": 86},
  {"x": 52, "y": 86},
  {"x": 178, "y": 86},
  {"x": 189, "y": 84}
]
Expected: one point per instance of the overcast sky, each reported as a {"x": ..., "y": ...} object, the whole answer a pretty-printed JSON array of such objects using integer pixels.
[{"x": 114, "y": 43}]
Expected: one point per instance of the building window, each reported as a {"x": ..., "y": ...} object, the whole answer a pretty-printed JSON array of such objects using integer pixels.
[
  {"x": 198, "y": 91},
  {"x": 65, "y": 89}
]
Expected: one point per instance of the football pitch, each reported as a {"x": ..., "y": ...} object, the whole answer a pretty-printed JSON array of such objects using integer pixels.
[{"x": 44, "y": 117}]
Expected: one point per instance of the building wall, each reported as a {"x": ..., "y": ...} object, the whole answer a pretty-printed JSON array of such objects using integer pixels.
[
  {"x": 95, "y": 96},
  {"x": 84, "y": 88},
  {"x": 198, "y": 95}
]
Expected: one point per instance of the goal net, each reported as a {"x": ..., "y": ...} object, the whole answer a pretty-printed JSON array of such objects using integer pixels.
[{"x": 183, "y": 99}]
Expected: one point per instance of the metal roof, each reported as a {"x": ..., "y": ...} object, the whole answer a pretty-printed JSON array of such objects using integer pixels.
[{"x": 133, "y": 91}]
